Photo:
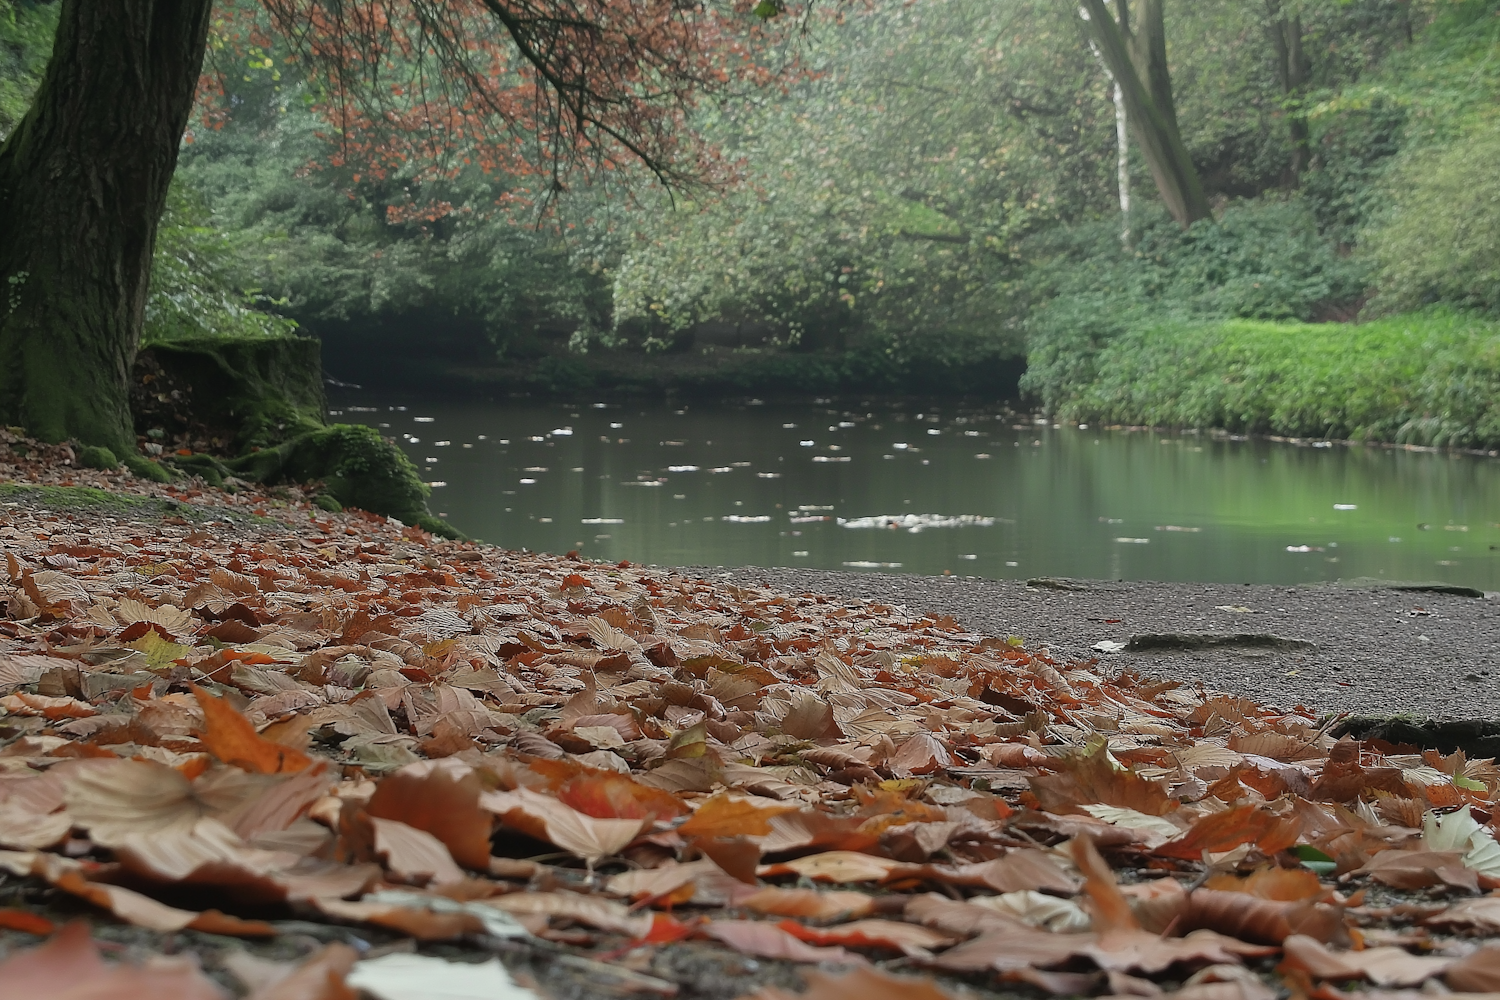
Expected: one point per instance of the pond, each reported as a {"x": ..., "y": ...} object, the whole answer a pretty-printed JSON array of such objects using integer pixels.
[{"x": 925, "y": 489}]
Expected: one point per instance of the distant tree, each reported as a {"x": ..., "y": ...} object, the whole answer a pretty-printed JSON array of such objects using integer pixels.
[
  {"x": 1134, "y": 48},
  {"x": 557, "y": 86}
]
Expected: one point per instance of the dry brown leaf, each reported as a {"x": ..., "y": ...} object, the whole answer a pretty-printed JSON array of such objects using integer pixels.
[
  {"x": 605, "y": 914},
  {"x": 1382, "y": 966},
  {"x": 834, "y": 866},
  {"x": 1476, "y": 972},
  {"x": 319, "y": 977},
  {"x": 545, "y": 818},
  {"x": 825, "y": 906},
  {"x": 442, "y": 799},
  {"x": 909, "y": 939},
  {"x": 68, "y": 967},
  {"x": 766, "y": 940},
  {"x": 414, "y": 855}
]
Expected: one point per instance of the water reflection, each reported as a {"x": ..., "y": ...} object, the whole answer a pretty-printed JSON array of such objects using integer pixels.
[{"x": 926, "y": 491}]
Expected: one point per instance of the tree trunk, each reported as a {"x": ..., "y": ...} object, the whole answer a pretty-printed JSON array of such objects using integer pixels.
[
  {"x": 1291, "y": 71},
  {"x": 1137, "y": 57},
  {"x": 83, "y": 180}
]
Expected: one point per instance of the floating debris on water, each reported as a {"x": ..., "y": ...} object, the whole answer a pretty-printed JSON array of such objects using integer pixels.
[
  {"x": 602, "y": 520},
  {"x": 1346, "y": 506},
  {"x": 682, "y": 468},
  {"x": 1304, "y": 548},
  {"x": 421, "y": 420},
  {"x": 808, "y": 518},
  {"x": 862, "y": 564},
  {"x": 831, "y": 458},
  {"x": 915, "y": 523},
  {"x": 768, "y": 475},
  {"x": 746, "y": 518},
  {"x": 1176, "y": 527},
  {"x": 1134, "y": 541}
]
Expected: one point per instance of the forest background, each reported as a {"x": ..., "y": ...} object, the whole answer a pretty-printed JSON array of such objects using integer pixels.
[{"x": 928, "y": 195}]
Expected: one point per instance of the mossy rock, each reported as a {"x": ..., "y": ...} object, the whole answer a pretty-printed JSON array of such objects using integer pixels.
[
  {"x": 144, "y": 468},
  {"x": 248, "y": 392},
  {"x": 358, "y": 467},
  {"x": 92, "y": 456}
]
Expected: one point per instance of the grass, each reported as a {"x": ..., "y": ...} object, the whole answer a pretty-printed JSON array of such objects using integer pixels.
[
  {"x": 76, "y": 499},
  {"x": 1428, "y": 378}
]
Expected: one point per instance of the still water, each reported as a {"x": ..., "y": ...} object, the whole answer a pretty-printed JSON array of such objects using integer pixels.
[{"x": 923, "y": 490}]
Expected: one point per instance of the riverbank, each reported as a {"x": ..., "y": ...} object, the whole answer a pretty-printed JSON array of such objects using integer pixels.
[
  {"x": 1365, "y": 648},
  {"x": 1430, "y": 378},
  {"x": 293, "y": 747}
]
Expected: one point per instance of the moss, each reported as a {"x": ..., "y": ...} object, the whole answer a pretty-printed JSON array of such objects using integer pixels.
[
  {"x": 74, "y": 497},
  {"x": 249, "y": 392},
  {"x": 358, "y": 467},
  {"x": 144, "y": 468},
  {"x": 327, "y": 502},
  {"x": 209, "y": 469},
  {"x": 96, "y": 457}
]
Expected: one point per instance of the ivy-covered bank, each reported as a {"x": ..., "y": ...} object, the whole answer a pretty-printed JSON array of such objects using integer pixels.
[{"x": 1429, "y": 378}]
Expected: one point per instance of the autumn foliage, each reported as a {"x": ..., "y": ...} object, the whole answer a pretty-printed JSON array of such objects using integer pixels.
[{"x": 449, "y": 742}]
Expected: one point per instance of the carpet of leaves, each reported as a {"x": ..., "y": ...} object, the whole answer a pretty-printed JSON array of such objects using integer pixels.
[{"x": 348, "y": 722}]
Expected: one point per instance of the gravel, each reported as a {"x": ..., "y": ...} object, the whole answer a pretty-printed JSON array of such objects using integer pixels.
[{"x": 1377, "y": 651}]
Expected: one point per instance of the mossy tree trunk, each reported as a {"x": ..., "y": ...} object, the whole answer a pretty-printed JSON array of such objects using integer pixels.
[{"x": 83, "y": 180}]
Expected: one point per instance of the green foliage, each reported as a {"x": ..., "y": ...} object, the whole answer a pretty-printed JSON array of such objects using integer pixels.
[
  {"x": 1263, "y": 260},
  {"x": 26, "y": 31},
  {"x": 144, "y": 468},
  {"x": 337, "y": 245},
  {"x": 195, "y": 291},
  {"x": 1429, "y": 378},
  {"x": 1440, "y": 241}
]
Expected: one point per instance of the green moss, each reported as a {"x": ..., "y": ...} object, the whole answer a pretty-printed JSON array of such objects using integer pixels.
[
  {"x": 95, "y": 457},
  {"x": 326, "y": 502},
  {"x": 358, "y": 467},
  {"x": 74, "y": 498},
  {"x": 144, "y": 468}
]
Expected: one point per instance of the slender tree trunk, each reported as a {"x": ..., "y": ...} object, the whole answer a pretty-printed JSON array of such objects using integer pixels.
[
  {"x": 1291, "y": 70},
  {"x": 83, "y": 180},
  {"x": 1122, "y": 144},
  {"x": 1137, "y": 58}
]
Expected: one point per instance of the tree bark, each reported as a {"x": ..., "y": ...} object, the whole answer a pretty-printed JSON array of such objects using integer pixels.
[
  {"x": 1292, "y": 68},
  {"x": 83, "y": 181},
  {"x": 1137, "y": 57}
]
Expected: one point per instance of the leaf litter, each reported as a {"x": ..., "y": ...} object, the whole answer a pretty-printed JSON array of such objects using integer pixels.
[{"x": 268, "y": 720}]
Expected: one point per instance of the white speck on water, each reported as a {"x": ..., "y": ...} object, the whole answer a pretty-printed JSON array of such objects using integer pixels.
[{"x": 1346, "y": 506}]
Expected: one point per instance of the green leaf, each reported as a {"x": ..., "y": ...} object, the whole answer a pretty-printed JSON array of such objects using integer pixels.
[
  {"x": 767, "y": 9},
  {"x": 1314, "y": 859}
]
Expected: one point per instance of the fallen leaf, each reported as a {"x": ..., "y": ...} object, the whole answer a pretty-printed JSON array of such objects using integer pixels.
[
  {"x": 1382, "y": 966},
  {"x": 440, "y": 800},
  {"x": 418, "y": 977},
  {"x": 319, "y": 977},
  {"x": 825, "y": 906},
  {"x": 229, "y": 736},
  {"x": 909, "y": 939},
  {"x": 726, "y": 816},
  {"x": 68, "y": 967},
  {"x": 766, "y": 940},
  {"x": 545, "y": 818}
]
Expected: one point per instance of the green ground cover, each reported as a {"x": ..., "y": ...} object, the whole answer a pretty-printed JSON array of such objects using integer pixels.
[{"x": 1429, "y": 378}]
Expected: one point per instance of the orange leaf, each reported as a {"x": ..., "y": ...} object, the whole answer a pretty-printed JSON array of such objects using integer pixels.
[
  {"x": 606, "y": 794},
  {"x": 68, "y": 965},
  {"x": 1223, "y": 831},
  {"x": 229, "y": 736},
  {"x": 722, "y": 816},
  {"x": 909, "y": 939},
  {"x": 443, "y": 801},
  {"x": 19, "y": 920}
]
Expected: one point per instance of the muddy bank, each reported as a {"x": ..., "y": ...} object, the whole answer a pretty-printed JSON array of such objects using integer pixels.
[{"x": 1373, "y": 651}]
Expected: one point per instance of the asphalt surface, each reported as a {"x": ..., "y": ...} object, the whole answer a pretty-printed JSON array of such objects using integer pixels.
[{"x": 1375, "y": 651}]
